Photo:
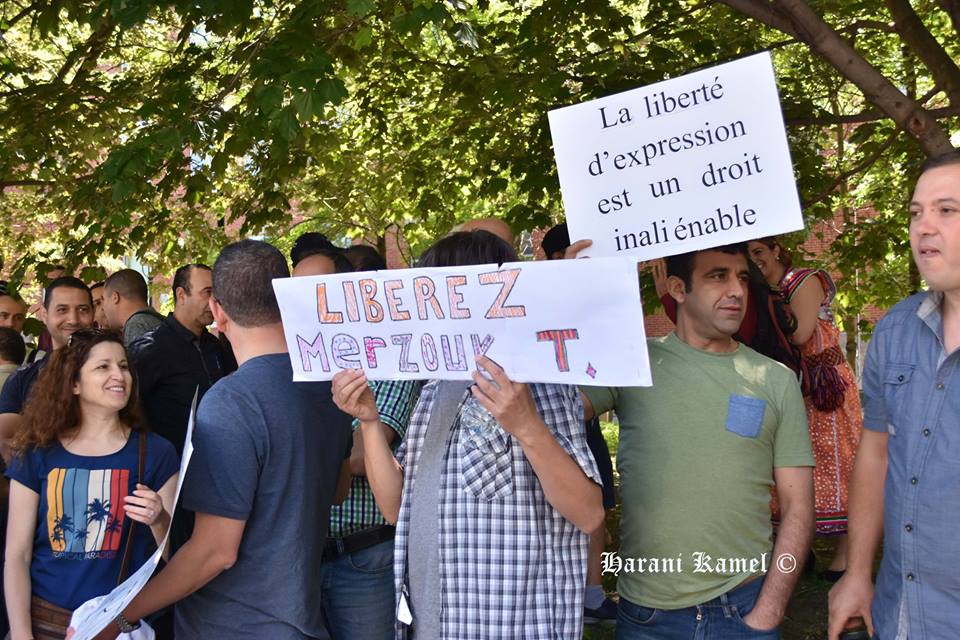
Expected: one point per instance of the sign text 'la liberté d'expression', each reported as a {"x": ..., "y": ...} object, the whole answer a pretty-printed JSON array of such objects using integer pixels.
[{"x": 681, "y": 165}]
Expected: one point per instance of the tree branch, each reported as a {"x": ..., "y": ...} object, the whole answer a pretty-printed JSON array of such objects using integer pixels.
[
  {"x": 913, "y": 32},
  {"x": 825, "y": 42},
  {"x": 865, "y": 116},
  {"x": 766, "y": 13},
  {"x": 89, "y": 50},
  {"x": 27, "y": 10}
]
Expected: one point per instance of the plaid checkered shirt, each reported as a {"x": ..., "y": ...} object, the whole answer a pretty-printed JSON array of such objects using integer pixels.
[
  {"x": 395, "y": 399},
  {"x": 510, "y": 565}
]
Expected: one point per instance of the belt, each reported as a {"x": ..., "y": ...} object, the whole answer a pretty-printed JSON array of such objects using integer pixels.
[{"x": 336, "y": 547}]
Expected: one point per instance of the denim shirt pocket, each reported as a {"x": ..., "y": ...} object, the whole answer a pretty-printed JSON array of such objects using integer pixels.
[
  {"x": 486, "y": 464},
  {"x": 745, "y": 415},
  {"x": 896, "y": 385}
]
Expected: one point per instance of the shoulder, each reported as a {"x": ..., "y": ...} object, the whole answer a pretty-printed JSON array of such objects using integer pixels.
[
  {"x": 159, "y": 444},
  {"x": 154, "y": 339},
  {"x": 901, "y": 313}
]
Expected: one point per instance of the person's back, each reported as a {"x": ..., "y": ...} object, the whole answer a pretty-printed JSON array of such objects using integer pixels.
[{"x": 282, "y": 444}]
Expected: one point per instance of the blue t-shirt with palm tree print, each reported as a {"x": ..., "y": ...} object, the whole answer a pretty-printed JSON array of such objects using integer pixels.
[{"x": 81, "y": 524}]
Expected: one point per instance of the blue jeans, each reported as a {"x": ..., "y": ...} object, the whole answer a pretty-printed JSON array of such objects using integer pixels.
[
  {"x": 358, "y": 600},
  {"x": 718, "y": 619}
]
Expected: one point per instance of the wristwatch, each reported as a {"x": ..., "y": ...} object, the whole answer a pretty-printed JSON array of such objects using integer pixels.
[{"x": 124, "y": 624}]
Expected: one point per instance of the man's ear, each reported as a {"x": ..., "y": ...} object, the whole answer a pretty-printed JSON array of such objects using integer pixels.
[
  {"x": 115, "y": 297},
  {"x": 676, "y": 289},
  {"x": 219, "y": 315},
  {"x": 42, "y": 313}
]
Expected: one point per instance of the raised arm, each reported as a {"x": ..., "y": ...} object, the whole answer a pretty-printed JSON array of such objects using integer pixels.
[{"x": 352, "y": 393}]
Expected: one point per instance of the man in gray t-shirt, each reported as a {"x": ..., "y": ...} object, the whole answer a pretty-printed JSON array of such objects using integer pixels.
[{"x": 269, "y": 456}]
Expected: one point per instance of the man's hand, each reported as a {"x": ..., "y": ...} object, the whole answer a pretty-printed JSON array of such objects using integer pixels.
[
  {"x": 571, "y": 252},
  {"x": 353, "y": 395},
  {"x": 849, "y": 598},
  {"x": 509, "y": 402}
]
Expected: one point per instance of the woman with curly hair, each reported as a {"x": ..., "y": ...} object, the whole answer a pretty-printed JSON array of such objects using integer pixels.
[
  {"x": 83, "y": 474},
  {"x": 831, "y": 395}
]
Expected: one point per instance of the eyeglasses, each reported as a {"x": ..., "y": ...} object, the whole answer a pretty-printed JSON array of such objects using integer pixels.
[{"x": 82, "y": 335}]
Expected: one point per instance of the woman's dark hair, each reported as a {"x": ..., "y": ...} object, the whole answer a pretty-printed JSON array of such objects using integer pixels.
[
  {"x": 468, "y": 247},
  {"x": 53, "y": 409},
  {"x": 771, "y": 242}
]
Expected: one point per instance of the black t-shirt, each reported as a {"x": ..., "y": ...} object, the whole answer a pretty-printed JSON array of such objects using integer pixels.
[
  {"x": 17, "y": 388},
  {"x": 172, "y": 364},
  {"x": 268, "y": 451}
]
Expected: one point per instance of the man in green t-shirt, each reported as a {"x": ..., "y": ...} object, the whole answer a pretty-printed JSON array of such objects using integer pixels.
[{"x": 698, "y": 454}]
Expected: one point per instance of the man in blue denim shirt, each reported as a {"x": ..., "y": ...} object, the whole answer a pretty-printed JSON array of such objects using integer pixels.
[{"x": 906, "y": 480}]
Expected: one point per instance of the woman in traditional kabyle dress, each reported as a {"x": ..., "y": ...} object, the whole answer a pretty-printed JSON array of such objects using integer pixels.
[{"x": 831, "y": 394}]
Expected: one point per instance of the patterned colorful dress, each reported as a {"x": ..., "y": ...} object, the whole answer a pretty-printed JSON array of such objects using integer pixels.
[{"x": 834, "y": 434}]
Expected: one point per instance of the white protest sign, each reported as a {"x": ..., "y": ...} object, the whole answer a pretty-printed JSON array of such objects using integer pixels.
[
  {"x": 93, "y": 616},
  {"x": 690, "y": 163},
  {"x": 565, "y": 321}
]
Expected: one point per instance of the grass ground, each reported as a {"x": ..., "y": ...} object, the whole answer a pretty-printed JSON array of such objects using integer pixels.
[{"x": 806, "y": 617}]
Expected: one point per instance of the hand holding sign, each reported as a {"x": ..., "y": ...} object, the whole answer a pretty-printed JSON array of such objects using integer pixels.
[
  {"x": 352, "y": 394},
  {"x": 507, "y": 401}
]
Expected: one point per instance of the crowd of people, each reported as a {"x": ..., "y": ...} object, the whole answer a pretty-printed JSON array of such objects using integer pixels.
[{"x": 358, "y": 509}]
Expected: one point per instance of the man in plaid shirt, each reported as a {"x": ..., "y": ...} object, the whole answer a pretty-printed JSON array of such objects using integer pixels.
[{"x": 491, "y": 527}]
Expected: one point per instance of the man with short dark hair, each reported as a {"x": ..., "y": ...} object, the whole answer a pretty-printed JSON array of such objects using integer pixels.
[
  {"x": 904, "y": 489},
  {"x": 67, "y": 307},
  {"x": 269, "y": 454},
  {"x": 13, "y": 312},
  {"x": 179, "y": 357},
  {"x": 695, "y": 477},
  {"x": 125, "y": 305},
  {"x": 99, "y": 318}
]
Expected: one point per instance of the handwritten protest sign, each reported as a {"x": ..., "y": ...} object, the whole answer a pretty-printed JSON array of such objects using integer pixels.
[
  {"x": 571, "y": 321},
  {"x": 686, "y": 164},
  {"x": 93, "y": 616}
]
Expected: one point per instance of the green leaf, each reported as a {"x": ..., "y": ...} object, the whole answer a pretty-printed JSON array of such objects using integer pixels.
[
  {"x": 285, "y": 124},
  {"x": 360, "y": 7},
  {"x": 332, "y": 90}
]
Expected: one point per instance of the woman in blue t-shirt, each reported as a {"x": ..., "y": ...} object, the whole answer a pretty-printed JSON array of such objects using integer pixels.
[{"x": 75, "y": 485}]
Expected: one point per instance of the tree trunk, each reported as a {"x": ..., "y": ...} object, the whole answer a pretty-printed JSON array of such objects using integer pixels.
[{"x": 796, "y": 18}]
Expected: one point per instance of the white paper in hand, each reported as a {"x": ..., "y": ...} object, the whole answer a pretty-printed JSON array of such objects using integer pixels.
[{"x": 87, "y": 620}]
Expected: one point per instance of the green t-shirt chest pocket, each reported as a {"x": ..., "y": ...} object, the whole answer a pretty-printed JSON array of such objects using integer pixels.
[{"x": 745, "y": 415}]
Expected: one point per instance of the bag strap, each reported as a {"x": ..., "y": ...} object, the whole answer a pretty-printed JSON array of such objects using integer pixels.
[{"x": 128, "y": 547}]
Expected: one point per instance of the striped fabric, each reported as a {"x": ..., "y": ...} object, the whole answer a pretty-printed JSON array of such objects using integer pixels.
[{"x": 85, "y": 514}]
